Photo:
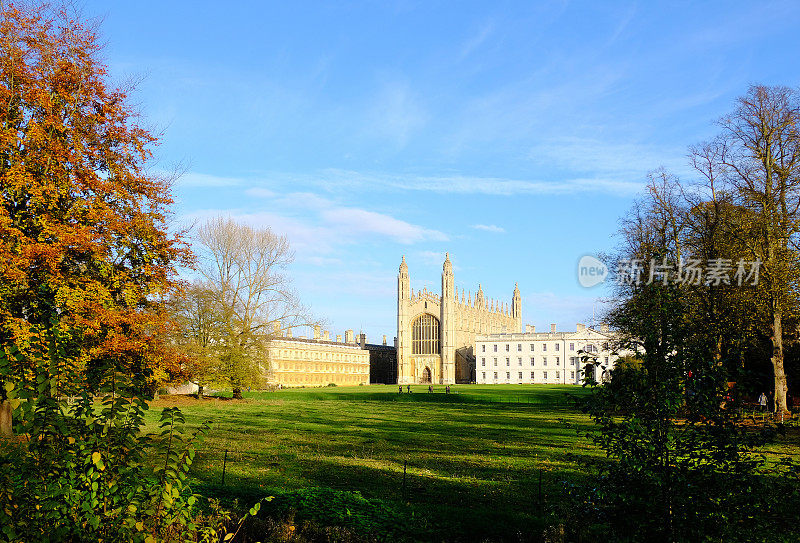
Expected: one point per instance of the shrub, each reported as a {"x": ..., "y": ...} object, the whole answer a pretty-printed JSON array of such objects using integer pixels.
[{"x": 83, "y": 471}]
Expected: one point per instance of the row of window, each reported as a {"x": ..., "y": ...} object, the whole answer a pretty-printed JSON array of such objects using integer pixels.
[
  {"x": 572, "y": 361},
  {"x": 319, "y": 368},
  {"x": 533, "y": 377},
  {"x": 315, "y": 355},
  {"x": 319, "y": 379},
  {"x": 588, "y": 348}
]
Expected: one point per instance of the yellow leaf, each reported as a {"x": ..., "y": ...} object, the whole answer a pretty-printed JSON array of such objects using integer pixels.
[
  {"x": 71, "y": 440},
  {"x": 95, "y": 457}
]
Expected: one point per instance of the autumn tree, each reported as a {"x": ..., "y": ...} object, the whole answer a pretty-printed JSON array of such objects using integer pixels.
[
  {"x": 759, "y": 153},
  {"x": 84, "y": 238},
  {"x": 197, "y": 331},
  {"x": 86, "y": 260},
  {"x": 246, "y": 269}
]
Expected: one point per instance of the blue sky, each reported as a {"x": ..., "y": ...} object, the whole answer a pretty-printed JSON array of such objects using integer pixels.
[{"x": 511, "y": 134}]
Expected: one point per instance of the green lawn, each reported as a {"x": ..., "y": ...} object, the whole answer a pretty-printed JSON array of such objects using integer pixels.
[{"x": 473, "y": 458}]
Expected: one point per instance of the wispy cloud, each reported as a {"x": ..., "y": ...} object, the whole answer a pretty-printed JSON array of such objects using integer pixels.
[
  {"x": 193, "y": 179},
  {"x": 396, "y": 113},
  {"x": 624, "y": 160},
  {"x": 474, "y": 42},
  {"x": 259, "y": 192},
  {"x": 316, "y": 226},
  {"x": 489, "y": 228},
  {"x": 360, "y": 221},
  {"x": 475, "y": 185}
]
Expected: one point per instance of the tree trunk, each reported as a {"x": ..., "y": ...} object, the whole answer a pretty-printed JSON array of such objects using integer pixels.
[
  {"x": 237, "y": 393},
  {"x": 5, "y": 418},
  {"x": 199, "y": 392},
  {"x": 781, "y": 389}
]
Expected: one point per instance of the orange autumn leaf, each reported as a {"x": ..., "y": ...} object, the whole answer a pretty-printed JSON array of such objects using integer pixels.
[{"x": 83, "y": 224}]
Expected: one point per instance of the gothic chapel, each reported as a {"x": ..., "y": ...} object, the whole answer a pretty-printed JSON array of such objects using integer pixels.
[{"x": 436, "y": 332}]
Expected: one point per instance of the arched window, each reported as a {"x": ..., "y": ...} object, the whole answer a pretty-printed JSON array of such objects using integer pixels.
[{"x": 425, "y": 335}]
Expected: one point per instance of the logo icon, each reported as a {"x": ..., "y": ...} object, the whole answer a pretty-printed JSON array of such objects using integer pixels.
[{"x": 591, "y": 271}]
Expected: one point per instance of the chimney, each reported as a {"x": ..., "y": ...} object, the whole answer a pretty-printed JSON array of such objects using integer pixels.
[
  {"x": 316, "y": 331},
  {"x": 288, "y": 332},
  {"x": 581, "y": 327},
  {"x": 395, "y": 342},
  {"x": 348, "y": 336},
  {"x": 276, "y": 327},
  {"x": 384, "y": 339},
  {"x": 362, "y": 339},
  {"x": 553, "y": 328},
  {"x": 530, "y": 329},
  {"x": 604, "y": 328},
  {"x": 338, "y": 338},
  {"x": 326, "y": 335}
]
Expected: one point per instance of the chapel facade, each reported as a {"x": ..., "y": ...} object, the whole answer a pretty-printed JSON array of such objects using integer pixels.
[{"x": 436, "y": 331}]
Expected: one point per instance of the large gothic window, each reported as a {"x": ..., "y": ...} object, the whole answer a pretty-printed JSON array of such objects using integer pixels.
[{"x": 425, "y": 335}]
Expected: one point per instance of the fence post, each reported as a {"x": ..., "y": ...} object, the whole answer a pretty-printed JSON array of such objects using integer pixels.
[
  {"x": 224, "y": 462},
  {"x": 405, "y": 463},
  {"x": 540, "y": 490}
]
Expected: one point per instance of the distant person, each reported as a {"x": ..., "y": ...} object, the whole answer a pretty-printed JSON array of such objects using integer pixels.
[
  {"x": 447, "y": 389},
  {"x": 400, "y": 389},
  {"x": 430, "y": 388},
  {"x": 762, "y": 401},
  {"x": 408, "y": 388}
]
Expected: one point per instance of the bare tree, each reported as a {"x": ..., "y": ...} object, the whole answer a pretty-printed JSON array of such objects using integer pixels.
[
  {"x": 760, "y": 151},
  {"x": 245, "y": 267}
]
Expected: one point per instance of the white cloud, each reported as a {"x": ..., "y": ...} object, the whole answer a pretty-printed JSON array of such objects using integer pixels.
[
  {"x": 259, "y": 192},
  {"x": 361, "y": 221},
  {"x": 316, "y": 225},
  {"x": 192, "y": 179},
  {"x": 472, "y": 44},
  {"x": 489, "y": 228},
  {"x": 626, "y": 160},
  {"x": 476, "y": 185},
  {"x": 396, "y": 113}
]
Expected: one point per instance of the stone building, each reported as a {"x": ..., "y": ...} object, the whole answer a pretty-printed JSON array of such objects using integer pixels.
[
  {"x": 436, "y": 332},
  {"x": 544, "y": 357},
  {"x": 318, "y": 361},
  {"x": 382, "y": 362}
]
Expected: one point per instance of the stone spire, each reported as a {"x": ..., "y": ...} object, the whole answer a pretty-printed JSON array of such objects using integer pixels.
[
  {"x": 516, "y": 308},
  {"x": 404, "y": 291},
  {"x": 448, "y": 266}
]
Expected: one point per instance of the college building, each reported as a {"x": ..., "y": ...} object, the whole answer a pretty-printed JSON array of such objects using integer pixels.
[
  {"x": 444, "y": 337},
  {"x": 545, "y": 357},
  {"x": 318, "y": 361}
]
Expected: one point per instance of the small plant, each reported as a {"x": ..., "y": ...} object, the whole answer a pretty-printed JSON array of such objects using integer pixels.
[{"x": 83, "y": 471}]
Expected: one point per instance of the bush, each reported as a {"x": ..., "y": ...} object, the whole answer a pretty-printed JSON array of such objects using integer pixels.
[{"x": 84, "y": 471}]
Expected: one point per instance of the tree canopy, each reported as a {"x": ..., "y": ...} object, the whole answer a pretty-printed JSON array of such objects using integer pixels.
[{"x": 84, "y": 235}]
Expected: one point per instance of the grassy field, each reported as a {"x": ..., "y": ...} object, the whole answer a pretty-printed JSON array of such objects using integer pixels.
[
  {"x": 473, "y": 459},
  {"x": 481, "y": 464}
]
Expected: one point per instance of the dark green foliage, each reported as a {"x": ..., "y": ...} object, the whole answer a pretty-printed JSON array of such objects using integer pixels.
[
  {"x": 685, "y": 463},
  {"x": 80, "y": 469}
]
